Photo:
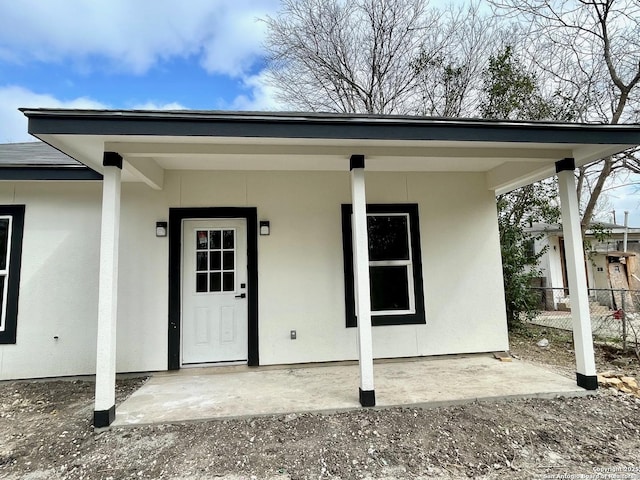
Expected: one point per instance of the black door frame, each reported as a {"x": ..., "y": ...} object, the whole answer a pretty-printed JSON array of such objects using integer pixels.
[{"x": 176, "y": 216}]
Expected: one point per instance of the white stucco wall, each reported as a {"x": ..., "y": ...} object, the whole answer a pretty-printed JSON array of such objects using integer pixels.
[
  {"x": 58, "y": 284},
  {"x": 59, "y": 280},
  {"x": 300, "y": 268}
]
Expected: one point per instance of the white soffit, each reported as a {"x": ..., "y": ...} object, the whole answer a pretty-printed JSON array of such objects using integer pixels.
[{"x": 508, "y": 164}]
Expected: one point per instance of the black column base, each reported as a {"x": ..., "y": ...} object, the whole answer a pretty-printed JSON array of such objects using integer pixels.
[
  {"x": 588, "y": 382},
  {"x": 368, "y": 398},
  {"x": 104, "y": 418}
]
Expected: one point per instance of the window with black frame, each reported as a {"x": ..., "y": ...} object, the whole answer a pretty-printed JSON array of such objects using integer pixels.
[
  {"x": 395, "y": 270},
  {"x": 11, "y": 231}
]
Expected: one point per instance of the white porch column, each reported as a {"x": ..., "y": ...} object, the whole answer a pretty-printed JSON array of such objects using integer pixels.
[
  {"x": 582, "y": 335},
  {"x": 360, "y": 241},
  {"x": 105, "y": 406}
]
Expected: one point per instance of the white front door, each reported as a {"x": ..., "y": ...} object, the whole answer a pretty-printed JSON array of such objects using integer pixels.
[{"x": 214, "y": 300}]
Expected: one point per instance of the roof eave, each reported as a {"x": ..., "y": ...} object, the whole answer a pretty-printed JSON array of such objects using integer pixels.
[{"x": 328, "y": 126}]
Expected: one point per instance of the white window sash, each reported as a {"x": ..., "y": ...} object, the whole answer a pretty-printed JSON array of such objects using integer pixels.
[
  {"x": 5, "y": 273},
  {"x": 401, "y": 262},
  {"x": 411, "y": 291}
]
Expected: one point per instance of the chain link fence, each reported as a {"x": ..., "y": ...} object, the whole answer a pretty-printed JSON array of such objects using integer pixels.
[{"x": 615, "y": 313}]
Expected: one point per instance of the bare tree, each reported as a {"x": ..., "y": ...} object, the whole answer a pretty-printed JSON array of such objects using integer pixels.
[
  {"x": 351, "y": 56},
  {"x": 450, "y": 81},
  {"x": 592, "y": 49}
]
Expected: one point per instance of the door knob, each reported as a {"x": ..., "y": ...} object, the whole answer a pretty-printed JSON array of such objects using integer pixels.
[{"x": 242, "y": 295}]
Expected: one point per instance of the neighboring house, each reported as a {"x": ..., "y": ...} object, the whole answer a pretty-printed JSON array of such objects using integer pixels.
[
  {"x": 227, "y": 237},
  {"x": 608, "y": 265}
]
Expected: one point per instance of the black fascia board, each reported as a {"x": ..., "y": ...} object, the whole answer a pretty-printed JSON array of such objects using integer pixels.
[
  {"x": 323, "y": 127},
  {"x": 48, "y": 173}
]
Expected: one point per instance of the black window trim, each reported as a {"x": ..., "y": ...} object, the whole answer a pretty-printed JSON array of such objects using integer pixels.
[
  {"x": 349, "y": 295},
  {"x": 8, "y": 336}
]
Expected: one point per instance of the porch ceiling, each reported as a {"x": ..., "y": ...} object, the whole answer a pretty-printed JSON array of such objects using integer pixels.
[{"x": 510, "y": 153}]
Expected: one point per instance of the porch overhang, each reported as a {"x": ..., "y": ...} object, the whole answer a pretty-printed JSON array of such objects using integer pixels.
[
  {"x": 510, "y": 154},
  {"x": 139, "y": 146}
]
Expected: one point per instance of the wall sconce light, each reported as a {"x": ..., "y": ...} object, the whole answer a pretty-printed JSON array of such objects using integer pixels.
[
  {"x": 161, "y": 229},
  {"x": 265, "y": 228}
]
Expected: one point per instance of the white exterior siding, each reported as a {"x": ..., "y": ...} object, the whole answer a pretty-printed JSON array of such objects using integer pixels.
[
  {"x": 555, "y": 263},
  {"x": 462, "y": 269},
  {"x": 300, "y": 267},
  {"x": 58, "y": 280},
  {"x": 143, "y": 281},
  {"x": 550, "y": 262}
]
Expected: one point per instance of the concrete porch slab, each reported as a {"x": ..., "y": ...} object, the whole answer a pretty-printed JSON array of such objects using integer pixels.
[{"x": 228, "y": 392}]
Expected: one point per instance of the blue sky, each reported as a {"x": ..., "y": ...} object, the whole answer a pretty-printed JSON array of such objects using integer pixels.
[
  {"x": 160, "y": 54},
  {"x": 201, "y": 54}
]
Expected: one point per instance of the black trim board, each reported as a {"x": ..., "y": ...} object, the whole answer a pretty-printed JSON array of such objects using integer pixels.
[
  {"x": 565, "y": 164},
  {"x": 588, "y": 382},
  {"x": 367, "y": 398},
  {"x": 112, "y": 159},
  {"x": 8, "y": 336},
  {"x": 104, "y": 418},
  {"x": 48, "y": 173},
  {"x": 176, "y": 216},
  {"x": 329, "y": 126},
  {"x": 356, "y": 161},
  {"x": 347, "y": 249}
]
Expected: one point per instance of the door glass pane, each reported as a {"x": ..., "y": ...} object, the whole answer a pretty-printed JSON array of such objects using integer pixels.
[
  {"x": 215, "y": 282},
  {"x": 215, "y": 239},
  {"x": 214, "y": 259},
  {"x": 227, "y": 240},
  {"x": 201, "y": 282},
  {"x": 201, "y": 263},
  {"x": 389, "y": 288},
  {"x": 228, "y": 260},
  {"x": 201, "y": 240},
  {"x": 388, "y": 237},
  {"x": 228, "y": 282}
]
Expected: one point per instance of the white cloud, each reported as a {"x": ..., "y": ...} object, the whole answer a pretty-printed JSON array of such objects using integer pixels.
[
  {"x": 236, "y": 44},
  {"x": 159, "y": 106},
  {"x": 134, "y": 36},
  {"x": 13, "y": 124},
  {"x": 261, "y": 96}
]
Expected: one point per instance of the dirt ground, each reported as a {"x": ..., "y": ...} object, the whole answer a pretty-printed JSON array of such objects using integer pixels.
[{"x": 45, "y": 433}]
